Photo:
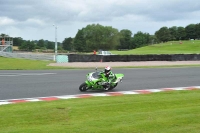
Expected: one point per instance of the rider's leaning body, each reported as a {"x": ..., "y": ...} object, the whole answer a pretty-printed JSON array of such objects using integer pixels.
[{"x": 110, "y": 76}]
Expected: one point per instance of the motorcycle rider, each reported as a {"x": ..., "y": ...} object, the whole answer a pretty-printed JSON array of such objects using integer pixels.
[{"x": 109, "y": 75}]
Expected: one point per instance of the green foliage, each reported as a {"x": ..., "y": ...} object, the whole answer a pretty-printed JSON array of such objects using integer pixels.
[
  {"x": 50, "y": 45},
  {"x": 80, "y": 42},
  {"x": 181, "y": 34},
  {"x": 163, "y": 34},
  {"x": 173, "y": 33},
  {"x": 125, "y": 39},
  {"x": 17, "y": 41},
  {"x": 41, "y": 43},
  {"x": 60, "y": 48},
  {"x": 68, "y": 44},
  {"x": 140, "y": 39},
  {"x": 27, "y": 46},
  {"x": 190, "y": 31},
  {"x": 197, "y": 30},
  {"x": 94, "y": 37},
  {"x": 152, "y": 39},
  {"x": 164, "y": 112},
  {"x": 23, "y": 46}
]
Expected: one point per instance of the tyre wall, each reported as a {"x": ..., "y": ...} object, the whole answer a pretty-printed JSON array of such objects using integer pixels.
[{"x": 128, "y": 58}]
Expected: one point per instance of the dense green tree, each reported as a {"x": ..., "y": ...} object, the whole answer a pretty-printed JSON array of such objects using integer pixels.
[
  {"x": 110, "y": 38},
  {"x": 181, "y": 33},
  {"x": 152, "y": 39},
  {"x": 125, "y": 39},
  {"x": 79, "y": 41},
  {"x": 27, "y": 45},
  {"x": 173, "y": 33},
  {"x": 31, "y": 45},
  {"x": 197, "y": 30},
  {"x": 68, "y": 44},
  {"x": 41, "y": 43},
  {"x": 50, "y": 45},
  {"x": 23, "y": 46},
  {"x": 163, "y": 34},
  {"x": 17, "y": 41},
  {"x": 190, "y": 31},
  {"x": 100, "y": 37},
  {"x": 60, "y": 47},
  {"x": 140, "y": 39},
  {"x": 94, "y": 37}
]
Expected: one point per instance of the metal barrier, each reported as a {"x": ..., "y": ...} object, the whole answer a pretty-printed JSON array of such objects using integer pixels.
[{"x": 28, "y": 56}]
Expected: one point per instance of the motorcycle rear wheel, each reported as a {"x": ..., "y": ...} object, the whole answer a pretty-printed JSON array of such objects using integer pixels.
[{"x": 83, "y": 87}]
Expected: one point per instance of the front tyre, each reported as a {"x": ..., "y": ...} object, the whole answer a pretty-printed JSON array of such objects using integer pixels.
[{"x": 83, "y": 87}]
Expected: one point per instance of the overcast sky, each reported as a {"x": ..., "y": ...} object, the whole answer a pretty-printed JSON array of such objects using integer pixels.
[{"x": 34, "y": 19}]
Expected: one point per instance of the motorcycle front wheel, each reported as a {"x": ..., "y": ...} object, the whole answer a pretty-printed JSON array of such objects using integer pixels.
[{"x": 83, "y": 87}]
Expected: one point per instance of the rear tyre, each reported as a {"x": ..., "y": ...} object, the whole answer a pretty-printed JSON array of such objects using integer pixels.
[{"x": 83, "y": 87}]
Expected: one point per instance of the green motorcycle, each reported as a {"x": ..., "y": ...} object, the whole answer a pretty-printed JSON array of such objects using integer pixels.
[{"x": 97, "y": 81}]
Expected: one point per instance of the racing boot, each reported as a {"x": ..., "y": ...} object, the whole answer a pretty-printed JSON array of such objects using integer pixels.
[{"x": 107, "y": 86}]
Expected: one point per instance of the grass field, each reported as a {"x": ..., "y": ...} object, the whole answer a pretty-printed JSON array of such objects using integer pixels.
[
  {"x": 163, "y": 112},
  {"x": 173, "y": 47}
]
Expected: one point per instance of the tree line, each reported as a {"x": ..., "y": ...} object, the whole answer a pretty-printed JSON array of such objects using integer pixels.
[
  {"x": 28, "y": 45},
  {"x": 96, "y": 37}
]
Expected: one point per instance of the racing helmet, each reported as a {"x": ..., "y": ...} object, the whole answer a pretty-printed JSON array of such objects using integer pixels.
[{"x": 107, "y": 70}]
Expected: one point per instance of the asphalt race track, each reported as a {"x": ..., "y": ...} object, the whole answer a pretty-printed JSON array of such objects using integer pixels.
[{"x": 16, "y": 84}]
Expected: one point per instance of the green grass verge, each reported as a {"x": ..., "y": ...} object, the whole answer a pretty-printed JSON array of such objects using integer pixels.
[
  {"x": 172, "y": 47},
  {"x": 24, "y": 64},
  {"x": 164, "y": 112}
]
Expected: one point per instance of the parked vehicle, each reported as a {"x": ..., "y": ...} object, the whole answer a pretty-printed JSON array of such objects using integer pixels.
[{"x": 104, "y": 53}]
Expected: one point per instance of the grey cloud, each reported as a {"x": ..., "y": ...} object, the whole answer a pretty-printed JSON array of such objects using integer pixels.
[
  {"x": 172, "y": 10},
  {"x": 41, "y": 14},
  {"x": 21, "y": 10},
  {"x": 18, "y": 10}
]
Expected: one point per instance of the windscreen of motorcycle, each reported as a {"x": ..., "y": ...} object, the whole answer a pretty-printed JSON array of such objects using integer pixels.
[{"x": 96, "y": 75}]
